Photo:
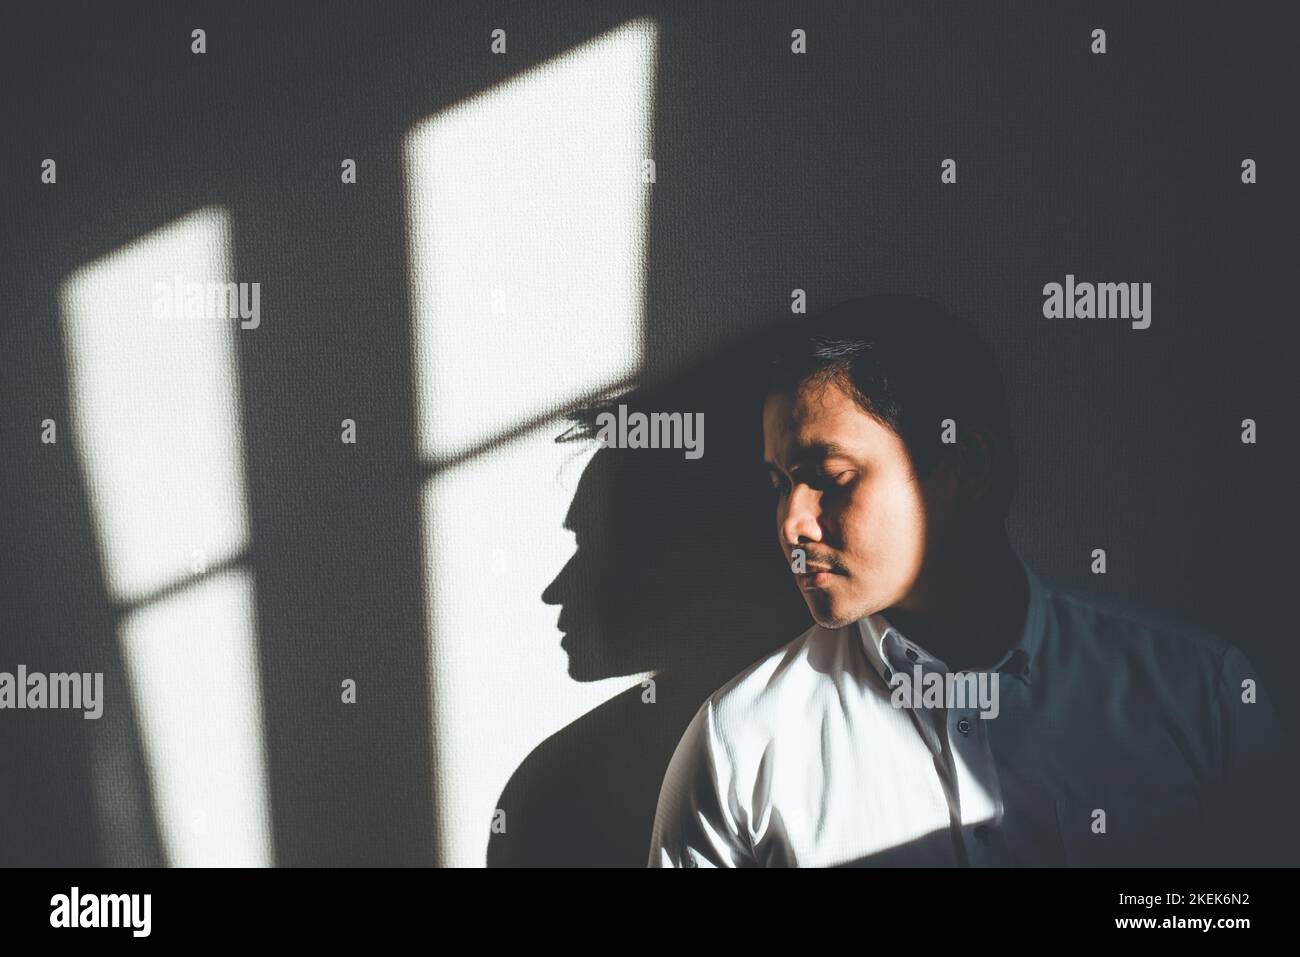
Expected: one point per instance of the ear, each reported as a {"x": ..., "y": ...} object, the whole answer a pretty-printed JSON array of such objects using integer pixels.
[{"x": 973, "y": 463}]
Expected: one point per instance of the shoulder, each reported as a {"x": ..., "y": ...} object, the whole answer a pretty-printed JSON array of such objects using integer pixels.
[
  {"x": 779, "y": 690},
  {"x": 1118, "y": 632}
]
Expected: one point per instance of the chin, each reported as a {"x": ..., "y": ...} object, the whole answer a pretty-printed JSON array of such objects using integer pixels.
[
  {"x": 832, "y": 614},
  {"x": 830, "y": 617}
]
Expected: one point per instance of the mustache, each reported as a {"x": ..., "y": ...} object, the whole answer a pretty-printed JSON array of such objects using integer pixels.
[{"x": 811, "y": 558}]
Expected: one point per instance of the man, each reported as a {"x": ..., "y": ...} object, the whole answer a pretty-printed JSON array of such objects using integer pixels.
[{"x": 1089, "y": 733}]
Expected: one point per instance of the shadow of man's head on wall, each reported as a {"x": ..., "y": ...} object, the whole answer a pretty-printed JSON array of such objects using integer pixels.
[{"x": 675, "y": 560}]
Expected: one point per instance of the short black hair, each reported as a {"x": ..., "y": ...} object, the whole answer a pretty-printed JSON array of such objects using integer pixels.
[{"x": 909, "y": 364}]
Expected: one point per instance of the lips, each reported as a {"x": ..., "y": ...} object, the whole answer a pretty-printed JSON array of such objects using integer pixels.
[{"x": 815, "y": 576}]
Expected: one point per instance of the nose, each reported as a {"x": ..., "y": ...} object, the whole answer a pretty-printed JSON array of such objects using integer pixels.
[{"x": 801, "y": 519}]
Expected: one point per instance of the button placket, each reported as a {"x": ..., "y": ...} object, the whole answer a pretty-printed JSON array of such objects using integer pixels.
[
  {"x": 970, "y": 772},
  {"x": 979, "y": 788}
]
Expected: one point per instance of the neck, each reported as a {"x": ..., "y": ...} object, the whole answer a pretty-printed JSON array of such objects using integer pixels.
[{"x": 968, "y": 605}]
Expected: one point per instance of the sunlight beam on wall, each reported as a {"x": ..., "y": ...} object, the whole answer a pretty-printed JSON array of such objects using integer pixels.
[
  {"x": 156, "y": 426},
  {"x": 529, "y": 228}
]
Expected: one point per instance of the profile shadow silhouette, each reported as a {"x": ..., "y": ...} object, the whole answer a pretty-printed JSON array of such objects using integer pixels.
[{"x": 677, "y": 573}]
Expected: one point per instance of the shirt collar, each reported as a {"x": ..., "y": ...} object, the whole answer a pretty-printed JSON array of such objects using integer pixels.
[{"x": 889, "y": 650}]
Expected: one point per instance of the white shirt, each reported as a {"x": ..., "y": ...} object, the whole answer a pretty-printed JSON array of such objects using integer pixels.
[{"x": 802, "y": 760}]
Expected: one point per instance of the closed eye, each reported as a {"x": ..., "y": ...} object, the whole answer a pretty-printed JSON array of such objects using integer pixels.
[{"x": 837, "y": 479}]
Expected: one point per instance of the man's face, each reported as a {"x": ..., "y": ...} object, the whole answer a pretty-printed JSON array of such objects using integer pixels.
[{"x": 847, "y": 495}]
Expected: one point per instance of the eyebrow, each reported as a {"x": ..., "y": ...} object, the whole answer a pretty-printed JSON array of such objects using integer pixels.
[{"x": 818, "y": 452}]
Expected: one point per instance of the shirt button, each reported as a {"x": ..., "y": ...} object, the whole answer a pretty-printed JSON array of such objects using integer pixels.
[{"x": 963, "y": 726}]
